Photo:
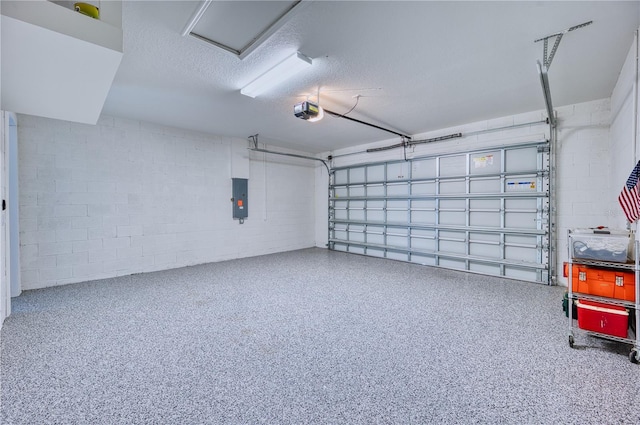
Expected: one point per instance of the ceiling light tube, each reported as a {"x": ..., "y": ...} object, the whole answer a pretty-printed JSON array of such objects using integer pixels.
[{"x": 276, "y": 75}]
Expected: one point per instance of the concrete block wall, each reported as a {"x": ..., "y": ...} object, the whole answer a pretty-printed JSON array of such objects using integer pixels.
[
  {"x": 125, "y": 197},
  {"x": 584, "y": 192}
]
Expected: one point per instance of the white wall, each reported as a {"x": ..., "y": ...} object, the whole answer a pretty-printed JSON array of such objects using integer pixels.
[
  {"x": 623, "y": 127},
  {"x": 585, "y": 195},
  {"x": 125, "y": 197},
  {"x": 582, "y": 162}
]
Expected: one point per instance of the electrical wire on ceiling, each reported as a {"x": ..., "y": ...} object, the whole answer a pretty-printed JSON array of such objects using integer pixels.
[{"x": 353, "y": 107}]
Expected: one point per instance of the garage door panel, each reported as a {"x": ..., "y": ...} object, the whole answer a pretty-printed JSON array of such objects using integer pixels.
[
  {"x": 341, "y": 176},
  {"x": 521, "y": 274},
  {"x": 423, "y": 188},
  {"x": 453, "y": 212},
  {"x": 340, "y": 247},
  {"x": 453, "y": 166},
  {"x": 424, "y": 217},
  {"x": 397, "y": 216},
  {"x": 356, "y": 214},
  {"x": 357, "y": 191},
  {"x": 375, "y": 173},
  {"x": 518, "y": 253},
  {"x": 454, "y": 187},
  {"x": 356, "y": 205},
  {"x": 423, "y": 244},
  {"x": 397, "y": 171},
  {"x": 487, "y": 238},
  {"x": 492, "y": 269},
  {"x": 397, "y": 256},
  {"x": 524, "y": 159},
  {"x": 340, "y": 212},
  {"x": 375, "y": 215},
  {"x": 453, "y": 264},
  {"x": 452, "y": 242},
  {"x": 484, "y": 250},
  {"x": 375, "y": 237},
  {"x": 485, "y": 204},
  {"x": 453, "y": 218},
  {"x": 357, "y": 175},
  {"x": 341, "y": 234},
  {"x": 522, "y": 184},
  {"x": 429, "y": 204},
  {"x": 521, "y": 220},
  {"x": 484, "y": 211},
  {"x": 491, "y": 219},
  {"x": 423, "y": 233},
  {"x": 357, "y": 249},
  {"x": 356, "y": 236},
  {"x": 453, "y": 204},
  {"x": 423, "y": 168},
  {"x": 485, "y": 185},
  {"x": 526, "y": 240},
  {"x": 375, "y": 252},
  {"x": 397, "y": 241},
  {"x": 375, "y": 190},
  {"x": 341, "y": 192},
  {"x": 423, "y": 259},
  {"x": 397, "y": 189},
  {"x": 485, "y": 163}
]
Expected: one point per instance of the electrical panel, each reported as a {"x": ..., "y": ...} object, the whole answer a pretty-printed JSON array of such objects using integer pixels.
[{"x": 239, "y": 198}]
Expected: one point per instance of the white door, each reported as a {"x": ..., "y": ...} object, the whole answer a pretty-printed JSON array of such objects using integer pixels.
[
  {"x": 10, "y": 231},
  {"x": 5, "y": 290}
]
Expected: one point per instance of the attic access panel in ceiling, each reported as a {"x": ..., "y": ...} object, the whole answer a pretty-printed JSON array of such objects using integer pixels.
[{"x": 240, "y": 26}]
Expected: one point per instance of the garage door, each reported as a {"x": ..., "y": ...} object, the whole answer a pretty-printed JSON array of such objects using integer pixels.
[{"x": 484, "y": 211}]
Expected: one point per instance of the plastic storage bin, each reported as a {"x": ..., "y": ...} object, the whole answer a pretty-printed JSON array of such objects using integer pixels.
[
  {"x": 603, "y": 318},
  {"x": 602, "y": 245}
]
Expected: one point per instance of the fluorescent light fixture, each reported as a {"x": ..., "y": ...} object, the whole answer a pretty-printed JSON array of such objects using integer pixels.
[{"x": 276, "y": 75}]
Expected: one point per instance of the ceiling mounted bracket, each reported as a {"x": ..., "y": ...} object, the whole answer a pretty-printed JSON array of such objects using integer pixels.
[{"x": 547, "y": 58}]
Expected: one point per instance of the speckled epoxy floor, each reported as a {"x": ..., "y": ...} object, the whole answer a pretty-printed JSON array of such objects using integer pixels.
[{"x": 307, "y": 337}]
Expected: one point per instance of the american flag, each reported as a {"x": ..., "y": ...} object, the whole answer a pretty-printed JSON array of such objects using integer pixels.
[{"x": 630, "y": 197}]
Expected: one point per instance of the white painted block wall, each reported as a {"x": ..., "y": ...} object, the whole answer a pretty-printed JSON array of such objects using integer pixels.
[
  {"x": 623, "y": 155},
  {"x": 125, "y": 197},
  {"x": 585, "y": 197}
]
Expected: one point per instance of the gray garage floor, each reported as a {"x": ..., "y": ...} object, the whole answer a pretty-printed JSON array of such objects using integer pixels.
[{"x": 308, "y": 336}]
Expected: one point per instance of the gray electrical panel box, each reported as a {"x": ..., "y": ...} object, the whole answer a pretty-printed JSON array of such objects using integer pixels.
[{"x": 239, "y": 198}]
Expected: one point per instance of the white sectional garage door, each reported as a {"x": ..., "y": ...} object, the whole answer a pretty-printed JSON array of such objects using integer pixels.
[{"x": 483, "y": 211}]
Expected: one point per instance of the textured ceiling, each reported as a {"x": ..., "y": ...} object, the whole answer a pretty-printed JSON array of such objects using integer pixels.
[{"x": 418, "y": 65}]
